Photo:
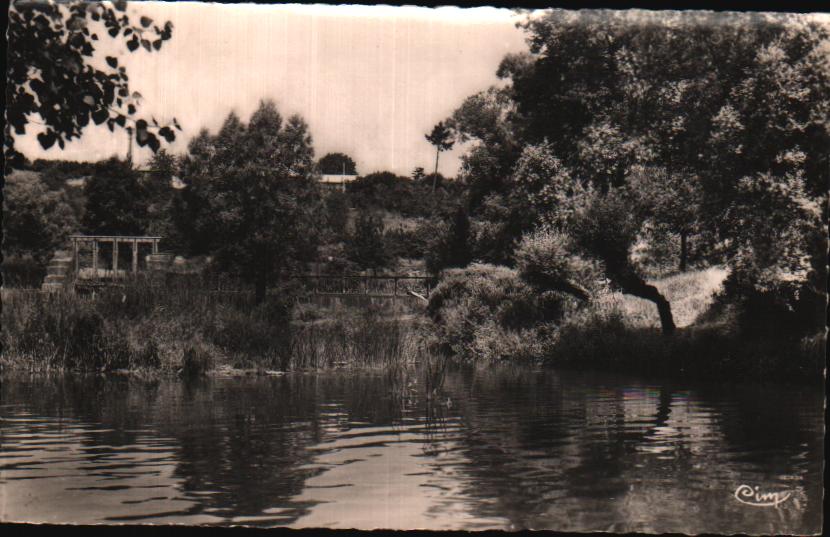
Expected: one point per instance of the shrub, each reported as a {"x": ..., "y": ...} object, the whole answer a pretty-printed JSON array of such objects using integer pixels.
[
  {"x": 23, "y": 271},
  {"x": 260, "y": 335},
  {"x": 475, "y": 308}
]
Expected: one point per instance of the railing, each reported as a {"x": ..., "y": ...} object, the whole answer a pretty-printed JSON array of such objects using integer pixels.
[
  {"x": 394, "y": 286},
  {"x": 370, "y": 286}
]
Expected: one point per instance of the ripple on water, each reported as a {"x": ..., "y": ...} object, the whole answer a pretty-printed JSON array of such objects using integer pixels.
[{"x": 513, "y": 449}]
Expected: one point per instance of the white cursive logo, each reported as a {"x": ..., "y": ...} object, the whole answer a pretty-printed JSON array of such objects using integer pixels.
[{"x": 753, "y": 496}]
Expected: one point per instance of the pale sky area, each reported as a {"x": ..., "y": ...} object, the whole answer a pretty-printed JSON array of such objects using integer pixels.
[{"x": 370, "y": 81}]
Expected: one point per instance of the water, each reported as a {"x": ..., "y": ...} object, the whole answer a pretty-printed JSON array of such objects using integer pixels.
[{"x": 499, "y": 448}]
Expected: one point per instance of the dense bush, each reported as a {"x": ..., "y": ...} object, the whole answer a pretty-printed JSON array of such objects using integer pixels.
[
  {"x": 36, "y": 220},
  {"x": 22, "y": 271},
  {"x": 406, "y": 243},
  {"x": 488, "y": 312},
  {"x": 364, "y": 245}
]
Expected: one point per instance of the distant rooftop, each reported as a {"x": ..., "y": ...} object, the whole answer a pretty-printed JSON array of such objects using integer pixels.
[{"x": 336, "y": 179}]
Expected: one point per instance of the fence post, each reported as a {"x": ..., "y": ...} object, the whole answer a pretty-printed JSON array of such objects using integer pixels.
[
  {"x": 76, "y": 254},
  {"x": 95, "y": 257},
  {"x": 135, "y": 256}
]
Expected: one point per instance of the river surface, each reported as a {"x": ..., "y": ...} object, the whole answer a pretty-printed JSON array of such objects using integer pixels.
[{"x": 499, "y": 448}]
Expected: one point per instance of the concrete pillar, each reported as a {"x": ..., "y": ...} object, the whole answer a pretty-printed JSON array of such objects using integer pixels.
[
  {"x": 75, "y": 254},
  {"x": 155, "y": 246},
  {"x": 115, "y": 257},
  {"x": 135, "y": 256}
]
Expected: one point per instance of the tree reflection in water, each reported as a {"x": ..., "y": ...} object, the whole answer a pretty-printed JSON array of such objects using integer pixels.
[{"x": 497, "y": 447}]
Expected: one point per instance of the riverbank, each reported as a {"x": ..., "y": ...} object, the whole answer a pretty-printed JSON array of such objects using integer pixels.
[
  {"x": 487, "y": 314},
  {"x": 185, "y": 331},
  {"x": 488, "y": 318}
]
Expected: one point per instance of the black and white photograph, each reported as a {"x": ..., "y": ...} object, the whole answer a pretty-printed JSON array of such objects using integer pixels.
[{"x": 414, "y": 268}]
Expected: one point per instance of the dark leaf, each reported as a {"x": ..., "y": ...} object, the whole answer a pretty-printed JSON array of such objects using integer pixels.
[
  {"x": 132, "y": 44},
  {"x": 130, "y": 109},
  {"x": 113, "y": 31},
  {"x": 120, "y": 5},
  {"x": 99, "y": 116},
  {"x": 112, "y": 62},
  {"x": 46, "y": 139},
  {"x": 153, "y": 142},
  {"x": 146, "y": 21},
  {"x": 127, "y": 31},
  {"x": 157, "y": 44},
  {"x": 94, "y": 37},
  {"x": 141, "y": 134},
  {"x": 168, "y": 134},
  {"x": 146, "y": 44},
  {"x": 121, "y": 120}
]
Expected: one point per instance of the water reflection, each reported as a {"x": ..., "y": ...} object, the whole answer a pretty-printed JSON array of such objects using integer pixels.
[{"x": 505, "y": 448}]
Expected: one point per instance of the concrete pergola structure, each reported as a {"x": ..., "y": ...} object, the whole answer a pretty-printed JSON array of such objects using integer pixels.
[{"x": 77, "y": 240}]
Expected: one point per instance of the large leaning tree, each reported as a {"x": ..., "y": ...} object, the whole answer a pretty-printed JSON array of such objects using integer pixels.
[
  {"x": 251, "y": 199},
  {"x": 56, "y": 76}
]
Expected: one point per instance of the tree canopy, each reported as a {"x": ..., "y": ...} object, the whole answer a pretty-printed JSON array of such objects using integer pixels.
[
  {"x": 36, "y": 219},
  {"x": 337, "y": 164},
  {"x": 250, "y": 198},
  {"x": 53, "y": 74},
  {"x": 617, "y": 125}
]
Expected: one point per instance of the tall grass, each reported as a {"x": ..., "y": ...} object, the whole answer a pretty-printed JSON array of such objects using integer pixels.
[{"x": 179, "y": 327}]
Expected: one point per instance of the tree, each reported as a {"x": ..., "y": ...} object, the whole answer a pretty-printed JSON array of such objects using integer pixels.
[
  {"x": 726, "y": 112},
  {"x": 252, "y": 197},
  {"x": 601, "y": 223},
  {"x": 36, "y": 220},
  {"x": 337, "y": 164},
  {"x": 52, "y": 73},
  {"x": 337, "y": 213},
  {"x": 672, "y": 204},
  {"x": 365, "y": 245},
  {"x": 441, "y": 138},
  {"x": 158, "y": 183},
  {"x": 449, "y": 241},
  {"x": 116, "y": 200},
  {"x": 604, "y": 227}
]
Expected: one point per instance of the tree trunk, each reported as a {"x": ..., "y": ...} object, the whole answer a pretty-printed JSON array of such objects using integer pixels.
[
  {"x": 549, "y": 283},
  {"x": 684, "y": 250},
  {"x": 435, "y": 173},
  {"x": 636, "y": 286}
]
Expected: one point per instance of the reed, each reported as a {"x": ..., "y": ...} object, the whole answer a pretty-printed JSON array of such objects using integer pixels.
[{"x": 180, "y": 327}]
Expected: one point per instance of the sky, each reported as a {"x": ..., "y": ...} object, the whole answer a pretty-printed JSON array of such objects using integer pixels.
[{"x": 369, "y": 80}]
